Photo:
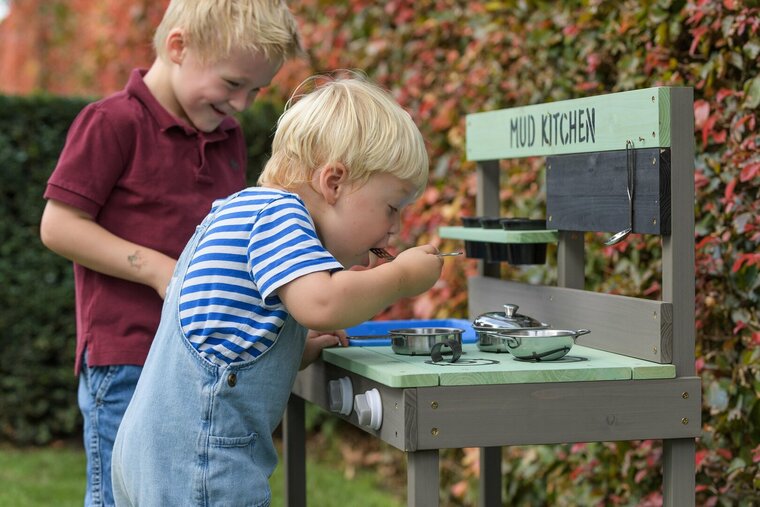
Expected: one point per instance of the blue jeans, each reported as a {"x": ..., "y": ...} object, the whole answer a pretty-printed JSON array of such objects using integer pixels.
[{"x": 104, "y": 393}]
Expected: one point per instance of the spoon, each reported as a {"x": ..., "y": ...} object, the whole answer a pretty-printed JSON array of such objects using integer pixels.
[
  {"x": 382, "y": 253},
  {"x": 630, "y": 162}
]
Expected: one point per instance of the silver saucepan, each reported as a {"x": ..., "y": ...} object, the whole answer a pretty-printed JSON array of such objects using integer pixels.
[
  {"x": 539, "y": 344},
  {"x": 425, "y": 341}
]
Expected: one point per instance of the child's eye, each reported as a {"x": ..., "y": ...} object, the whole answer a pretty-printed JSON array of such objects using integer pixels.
[
  {"x": 232, "y": 84},
  {"x": 392, "y": 210}
]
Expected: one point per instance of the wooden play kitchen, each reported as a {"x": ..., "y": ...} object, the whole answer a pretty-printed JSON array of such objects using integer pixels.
[{"x": 613, "y": 162}]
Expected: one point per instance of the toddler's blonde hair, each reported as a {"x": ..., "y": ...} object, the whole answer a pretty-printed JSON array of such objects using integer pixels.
[
  {"x": 345, "y": 120},
  {"x": 214, "y": 28}
]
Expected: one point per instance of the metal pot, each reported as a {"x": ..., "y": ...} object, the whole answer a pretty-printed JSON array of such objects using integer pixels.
[
  {"x": 487, "y": 324},
  {"x": 539, "y": 344},
  {"x": 423, "y": 341}
]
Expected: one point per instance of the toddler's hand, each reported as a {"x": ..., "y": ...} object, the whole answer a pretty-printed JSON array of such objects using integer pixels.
[
  {"x": 422, "y": 268},
  {"x": 318, "y": 340}
]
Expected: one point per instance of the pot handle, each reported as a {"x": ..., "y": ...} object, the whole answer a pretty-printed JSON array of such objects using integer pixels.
[
  {"x": 580, "y": 332},
  {"x": 456, "y": 351}
]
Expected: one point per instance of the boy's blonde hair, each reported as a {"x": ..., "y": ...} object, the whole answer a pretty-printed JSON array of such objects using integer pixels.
[
  {"x": 350, "y": 121},
  {"x": 214, "y": 28}
]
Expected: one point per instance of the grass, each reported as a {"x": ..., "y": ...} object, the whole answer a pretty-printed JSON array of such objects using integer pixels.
[{"x": 55, "y": 476}]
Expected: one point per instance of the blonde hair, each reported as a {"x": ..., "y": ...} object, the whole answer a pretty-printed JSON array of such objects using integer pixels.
[
  {"x": 350, "y": 121},
  {"x": 214, "y": 28}
]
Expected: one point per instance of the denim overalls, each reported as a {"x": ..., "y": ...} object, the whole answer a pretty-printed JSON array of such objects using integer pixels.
[{"x": 196, "y": 434}]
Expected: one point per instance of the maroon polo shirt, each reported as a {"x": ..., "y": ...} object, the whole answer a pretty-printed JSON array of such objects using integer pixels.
[{"x": 149, "y": 178}]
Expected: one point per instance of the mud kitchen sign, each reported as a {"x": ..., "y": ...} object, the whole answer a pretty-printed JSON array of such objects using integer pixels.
[{"x": 600, "y": 123}]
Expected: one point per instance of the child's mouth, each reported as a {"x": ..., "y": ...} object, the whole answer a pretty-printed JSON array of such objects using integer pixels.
[{"x": 218, "y": 111}]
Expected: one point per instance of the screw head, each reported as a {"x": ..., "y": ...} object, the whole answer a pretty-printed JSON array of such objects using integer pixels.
[
  {"x": 434, "y": 432},
  {"x": 434, "y": 405}
]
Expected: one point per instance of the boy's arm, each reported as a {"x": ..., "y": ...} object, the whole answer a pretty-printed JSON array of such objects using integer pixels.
[
  {"x": 325, "y": 301},
  {"x": 73, "y": 234}
]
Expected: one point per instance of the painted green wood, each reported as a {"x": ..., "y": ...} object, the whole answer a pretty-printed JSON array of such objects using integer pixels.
[
  {"x": 590, "y": 124},
  {"x": 376, "y": 364},
  {"x": 498, "y": 236},
  {"x": 583, "y": 364}
]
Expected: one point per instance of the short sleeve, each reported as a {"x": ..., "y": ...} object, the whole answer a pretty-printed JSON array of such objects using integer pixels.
[{"x": 284, "y": 246}]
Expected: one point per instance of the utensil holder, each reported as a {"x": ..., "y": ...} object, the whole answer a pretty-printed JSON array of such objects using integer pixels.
[{"x": 525, "y": 253}]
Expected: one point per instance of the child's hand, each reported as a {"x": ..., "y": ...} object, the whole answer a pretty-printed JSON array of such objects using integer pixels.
[
  {"x": 422, "y": 268},
  {"x": 318, "y": 340}
]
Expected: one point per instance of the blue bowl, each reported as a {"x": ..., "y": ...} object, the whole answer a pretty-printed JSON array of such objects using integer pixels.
[{"x": 382, "y": 327}]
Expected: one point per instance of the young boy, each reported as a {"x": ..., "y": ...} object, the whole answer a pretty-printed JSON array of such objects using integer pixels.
[
  {"x": 139, "y": 171},
  {"x": 265, "y": 264}
]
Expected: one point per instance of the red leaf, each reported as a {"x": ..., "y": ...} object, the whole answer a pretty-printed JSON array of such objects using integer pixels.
[
  {"x": 750, "y": 258},
  {"x": 701, "y": 113},
  {"x": 749, "y": 171},
  {"x": 729, "y": 193}
]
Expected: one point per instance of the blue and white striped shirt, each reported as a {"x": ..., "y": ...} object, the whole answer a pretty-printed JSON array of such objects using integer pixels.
[{"x": 260, "y": 240}]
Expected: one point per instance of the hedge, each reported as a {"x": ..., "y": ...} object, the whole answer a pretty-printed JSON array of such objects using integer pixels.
[{"x": 37, "y": 384}]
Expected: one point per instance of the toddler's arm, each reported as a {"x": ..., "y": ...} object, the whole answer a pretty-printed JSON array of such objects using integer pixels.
[
  {"x": 325, "y": 300},
  {"x": 73, "y": 234}
]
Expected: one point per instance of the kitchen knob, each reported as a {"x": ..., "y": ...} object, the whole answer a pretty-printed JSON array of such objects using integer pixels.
[
  {"x": 369, "y": 409},
  {"x": 340, "y": 394}
]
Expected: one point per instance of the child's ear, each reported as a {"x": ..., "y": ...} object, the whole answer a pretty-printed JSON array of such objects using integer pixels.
[
  {"x": 175, "y": 45},
  {"x": 332, "y": 181}
]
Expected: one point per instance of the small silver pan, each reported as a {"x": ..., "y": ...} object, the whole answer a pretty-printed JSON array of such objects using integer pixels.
[
  {"x": 424, "y": 341},
  {"x": 539, "y": 344}
]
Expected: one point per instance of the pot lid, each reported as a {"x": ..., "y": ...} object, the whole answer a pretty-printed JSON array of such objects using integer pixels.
[{"x": 508, "y": 319}]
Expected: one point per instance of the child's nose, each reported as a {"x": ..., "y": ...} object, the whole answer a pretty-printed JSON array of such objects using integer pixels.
[{"x": 242, "y": 100}]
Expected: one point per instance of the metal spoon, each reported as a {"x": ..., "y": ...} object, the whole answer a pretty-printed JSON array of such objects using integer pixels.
[
  {"x": 382, "y": 253},
  {"x": 630, "y": 162}
]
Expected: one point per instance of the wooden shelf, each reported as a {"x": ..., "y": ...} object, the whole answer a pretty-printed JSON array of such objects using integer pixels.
[{"x": 498, "y": 236}]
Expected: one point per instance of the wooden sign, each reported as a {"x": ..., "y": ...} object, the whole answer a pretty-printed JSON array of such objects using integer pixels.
[{"x": 591, "y": 124}]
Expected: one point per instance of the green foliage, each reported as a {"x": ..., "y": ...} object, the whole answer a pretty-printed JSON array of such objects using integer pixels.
[
  {"x": 37, "y": 384},
  {"x": 445, "y": 59}
]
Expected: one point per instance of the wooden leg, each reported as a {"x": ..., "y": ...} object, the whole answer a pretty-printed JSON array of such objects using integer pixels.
[
  {"x": 294, "y": 452},
  {"x": 490, "y": 477},
  {"x": 422, "y": 478},
  {"x": 679, "y": 472}
]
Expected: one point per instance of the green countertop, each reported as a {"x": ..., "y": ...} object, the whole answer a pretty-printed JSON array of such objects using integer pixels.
[{"x": 382, "y": 365}]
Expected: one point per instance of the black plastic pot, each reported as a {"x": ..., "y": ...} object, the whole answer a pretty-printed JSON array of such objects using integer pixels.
[
  {"x": 473, "y": 249},
  {"x": 495, "y": 252},
  {"x": 525, "y": 253}
]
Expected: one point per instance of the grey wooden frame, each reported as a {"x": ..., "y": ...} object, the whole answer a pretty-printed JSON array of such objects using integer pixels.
[
  {"x": 673, "y": 341},
  {"x": 420, "y": 421}
]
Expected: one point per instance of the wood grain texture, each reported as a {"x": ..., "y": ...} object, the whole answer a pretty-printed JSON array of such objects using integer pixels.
[
  {"x": 589, "y": 124},
  {"x": 587, "y": 191},
  {"x": 521, "y": 414},
  {"x": 629, "y": 326}
]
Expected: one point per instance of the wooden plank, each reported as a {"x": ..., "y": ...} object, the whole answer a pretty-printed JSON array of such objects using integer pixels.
[
  {"x": 571, "y": 260},
  {"x": 386, "y": 368},
  {"x": 294, "y": 452},
  {"x": 590, "y": 124},
  {"x": 497, "y": 236},
  {"x": 583, "y": 364},
  {"x": 678, "y": 284},
  {"x": 422, "y": 478},
  {"x": 622, "y": 325},
  {"x": 488, "y": 203},
  {"x": 678, "y": 474},
  {"x": 587, "y": 191},
  {"x": 522, "y": 414}
]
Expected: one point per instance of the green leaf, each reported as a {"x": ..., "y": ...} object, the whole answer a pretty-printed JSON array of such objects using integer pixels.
[{"x": 752, "y": 93}]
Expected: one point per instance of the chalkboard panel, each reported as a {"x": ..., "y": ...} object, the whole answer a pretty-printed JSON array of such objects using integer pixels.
[{"x": 587, "y": 191}]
